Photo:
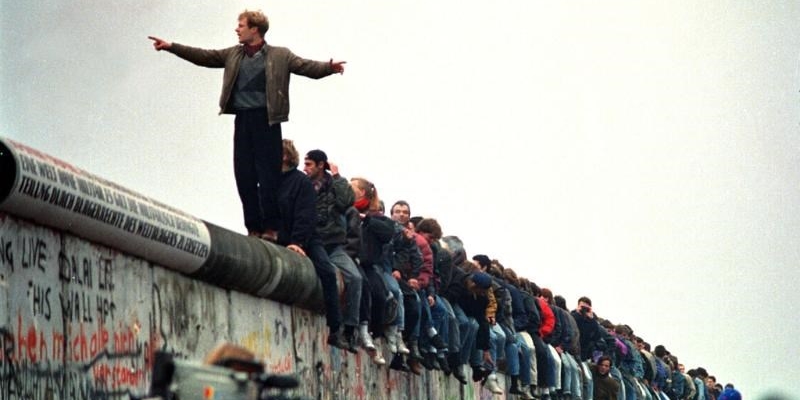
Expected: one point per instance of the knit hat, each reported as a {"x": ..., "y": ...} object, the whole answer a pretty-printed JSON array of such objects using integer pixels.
[
  {"x": 482, "y": 280},
  {"x": 318, "y": 156},
  {"x": 483, "y": 260}
]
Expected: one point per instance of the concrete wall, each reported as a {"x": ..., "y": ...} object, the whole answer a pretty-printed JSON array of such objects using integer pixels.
[{"x": 81, "y": 321}]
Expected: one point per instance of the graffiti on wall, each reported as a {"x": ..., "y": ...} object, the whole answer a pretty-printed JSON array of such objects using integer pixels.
[{"x": 62, "y": 333}]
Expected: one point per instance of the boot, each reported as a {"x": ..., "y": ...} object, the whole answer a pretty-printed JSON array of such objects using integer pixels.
[
  {"x": 458, "y": 373},
  {"x": 428, "y": 361},
  {"x": 479, "y": 373},
  {"x": 413, "y": 352},
  {"x": 526, "y": 393},
  {"x": 515, "y": 386},
  {"x": 399, "y": 364},
  {"x": 492, "y": 385},
  {"x": 437, "y": 342},
  {"x": 351, "y": 338},
  {"x": 391, "y": 338},
  {"x": 415, "y": 366},
  {"x": 365, "y": 339},
  {"x": 442, "y": 364},
  {"x": 401, "y": 347},
  {"x": 455, "y": 366},
  {"x": 336, "y": 339}
]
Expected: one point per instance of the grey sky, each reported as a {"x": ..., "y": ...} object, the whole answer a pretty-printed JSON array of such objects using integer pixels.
[{"x": 644, "y": 154}]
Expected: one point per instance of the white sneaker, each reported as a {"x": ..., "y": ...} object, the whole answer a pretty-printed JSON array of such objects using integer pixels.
[
  {"x": 492, "y": 385},
  {"x": 365, "y": 338},
  {"x": 377, "y": 358},
  {"x": 391, "y": 338},
  {"x": 401, "y": 346}
]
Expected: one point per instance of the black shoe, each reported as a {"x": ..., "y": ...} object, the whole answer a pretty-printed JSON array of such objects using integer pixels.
[
  {"x": 351, "y": 338},
  {"x": 458, "y": 373},
  {"x": 437, "y": 342},
  {"x": 399, "y": 364},
  {"x": 414, "y": 354},
  {"x": 442, "y": 364},
  {"x": 335, "y": 339},
  {"x": 429, "y": 361},
  {"x": 479, "y": 373},
  {"x": 515, "y": 386}
]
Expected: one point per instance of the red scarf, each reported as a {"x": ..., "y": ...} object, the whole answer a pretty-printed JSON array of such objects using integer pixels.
[
  {"x": 361, "y": 204},
  {"x": 252, "y": 50}
]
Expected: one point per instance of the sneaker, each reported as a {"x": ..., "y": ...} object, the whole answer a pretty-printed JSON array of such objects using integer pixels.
[
  {"x": 492, "y": 385},
  {"x": 391, "y": 338},
  {"x": 377, "y": 357},
  {"x": 365, "y": 339},
  {"x": 401, "y": 346}
]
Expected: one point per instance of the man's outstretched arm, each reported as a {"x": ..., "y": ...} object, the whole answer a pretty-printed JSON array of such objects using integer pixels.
[
  {"x": 197, "y": 56},
  {"x": 160, "y": 44}
]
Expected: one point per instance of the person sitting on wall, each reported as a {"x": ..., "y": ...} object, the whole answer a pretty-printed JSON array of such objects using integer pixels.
[
  {"x": 334, "y": 197},
  {"x": 605, "y": 387},
  {"x": 297, "y": 202}
]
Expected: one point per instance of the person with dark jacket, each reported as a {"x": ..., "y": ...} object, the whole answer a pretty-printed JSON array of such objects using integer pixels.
[
  {"x": 605, "y": 387},
  {"x": 591, "y": 332},
  {"x": 375, "y": 255},
  {"x": 470, "y": 293},
  {"x": 334, "y": 197},
  {"x": 465, "y": 327},
  {"x": 297, "y": 231}
]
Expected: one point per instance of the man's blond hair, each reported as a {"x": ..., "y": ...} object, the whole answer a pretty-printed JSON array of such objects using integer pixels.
[{"x": 256, "y": 19}]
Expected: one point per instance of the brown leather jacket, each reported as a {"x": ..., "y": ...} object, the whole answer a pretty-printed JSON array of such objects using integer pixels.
[{"x": 279, "y": 63}]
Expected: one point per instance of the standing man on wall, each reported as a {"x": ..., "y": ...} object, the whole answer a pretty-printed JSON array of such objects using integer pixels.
[{"x": 255, "y": 88}]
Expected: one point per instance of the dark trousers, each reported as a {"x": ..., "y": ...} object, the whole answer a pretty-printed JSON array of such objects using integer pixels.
[
  {"x": 257, "y": 156},
  {"x": 326, "y": 272}
]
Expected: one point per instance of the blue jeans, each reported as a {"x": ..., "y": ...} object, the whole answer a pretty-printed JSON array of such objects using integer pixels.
[
  {"x": 394, "y": 289},
  {"x": 326, "y": 272},
  {"x": 588, "y": 390},
  {"x": 524, "y": 360},
  {"x": 617, "y": 375},
  {"x": 257, "y": 157},
  {"x": 453, "y": 335},
  {"x": 497, "y": 343},
  {"x": 439, "y": 316},
  {"x": 353, "y": 282},
  {"x": 468, "y": 330},
  {"x": 571, "y": 383}
]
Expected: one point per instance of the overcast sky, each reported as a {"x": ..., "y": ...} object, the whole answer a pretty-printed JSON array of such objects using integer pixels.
[{"x": 643, "y": 154}]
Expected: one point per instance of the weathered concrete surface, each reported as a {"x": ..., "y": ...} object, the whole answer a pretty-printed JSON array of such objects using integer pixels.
[{"x": 81, "y": 321}]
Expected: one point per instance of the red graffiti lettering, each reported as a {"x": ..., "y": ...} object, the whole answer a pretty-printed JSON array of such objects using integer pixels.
[
  {"x": 283, "y": 365},
  {"x": 31, "y": 343}
]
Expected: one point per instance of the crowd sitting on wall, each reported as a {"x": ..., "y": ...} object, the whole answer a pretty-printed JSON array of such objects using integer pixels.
[
  {"x": 436, "y": 309},
  {"x": 404, "y": 281}
]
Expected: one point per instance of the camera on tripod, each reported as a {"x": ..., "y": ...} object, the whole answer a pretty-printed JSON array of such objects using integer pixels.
[{"x": 228, "y": 379}]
